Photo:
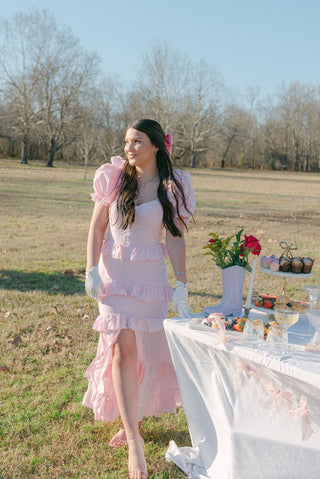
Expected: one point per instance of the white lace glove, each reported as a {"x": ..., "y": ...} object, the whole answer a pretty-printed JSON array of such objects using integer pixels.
[
  {"x": 93, "y": 283},
  {"x": 180, "y": 300}
]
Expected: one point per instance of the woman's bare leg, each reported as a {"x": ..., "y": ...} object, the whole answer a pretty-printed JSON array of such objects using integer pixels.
[
  {"x": 120, "y": 439},
  {"x": 125, "y": 382}
]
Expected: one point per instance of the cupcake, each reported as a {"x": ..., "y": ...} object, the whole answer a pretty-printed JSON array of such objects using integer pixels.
[
  {"x": 307, "y": 265},
  {"x": 296, "y": 265},
  {"x": 264, "y": 262},
  {"x": 284, "y": 264},
  {"x": 274, "y": 266}
]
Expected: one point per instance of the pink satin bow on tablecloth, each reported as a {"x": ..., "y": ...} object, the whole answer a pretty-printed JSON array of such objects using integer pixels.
[
  {"x": 242, "y": 369},
  {"x": 168, "y": 142},
  {"x": 258, "y": 373},
  {"x": 277, "y": 398},
  {"x": 306, "y": 418}
]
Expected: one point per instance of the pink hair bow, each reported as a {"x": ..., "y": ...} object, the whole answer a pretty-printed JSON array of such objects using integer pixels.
[{"x": 168, "y": 142}]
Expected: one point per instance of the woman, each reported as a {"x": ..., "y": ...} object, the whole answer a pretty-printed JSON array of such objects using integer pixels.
[{"x": 136, "y": 199}]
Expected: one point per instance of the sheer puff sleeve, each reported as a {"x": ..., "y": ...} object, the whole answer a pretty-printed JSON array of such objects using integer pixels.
[
  {"x": 105, "y": 181},
  {"x": 184, "y": 179}
]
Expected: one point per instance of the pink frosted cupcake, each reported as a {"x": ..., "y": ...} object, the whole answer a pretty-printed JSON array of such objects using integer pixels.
[
  {"x": 264, "y": 262},
  {"x": 274, "y": 266}
]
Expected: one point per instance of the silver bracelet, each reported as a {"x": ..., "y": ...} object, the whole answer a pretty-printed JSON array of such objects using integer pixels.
[{"x": 180, "y": 272}]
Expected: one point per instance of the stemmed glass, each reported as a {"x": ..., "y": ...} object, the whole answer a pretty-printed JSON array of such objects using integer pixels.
[
  {"x": 254, "y": 330},
  {"x": 286, "y": 318},
  {"x": 314, "y": 293},
  {"x": 314, "y": 318}
]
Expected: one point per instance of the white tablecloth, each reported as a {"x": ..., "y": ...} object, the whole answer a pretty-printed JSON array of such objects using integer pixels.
[{"x": 251, "y": 414}]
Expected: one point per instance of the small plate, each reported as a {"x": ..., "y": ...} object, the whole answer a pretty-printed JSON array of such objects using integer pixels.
[
  {"x": 195, "y": 323},
  {"x": 261, "y": 309}
]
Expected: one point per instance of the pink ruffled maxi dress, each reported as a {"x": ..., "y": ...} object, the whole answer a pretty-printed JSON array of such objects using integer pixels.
[{"x": 133, "y": 269}]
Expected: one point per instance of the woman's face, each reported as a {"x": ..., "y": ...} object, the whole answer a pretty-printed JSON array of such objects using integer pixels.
[{"x": 138, "y": 148}]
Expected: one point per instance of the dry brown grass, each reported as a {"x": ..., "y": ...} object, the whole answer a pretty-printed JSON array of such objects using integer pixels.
[{"x": 45, "y": 213}]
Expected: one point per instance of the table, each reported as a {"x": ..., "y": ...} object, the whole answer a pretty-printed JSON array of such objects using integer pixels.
[{"x": 251, "y": 414}]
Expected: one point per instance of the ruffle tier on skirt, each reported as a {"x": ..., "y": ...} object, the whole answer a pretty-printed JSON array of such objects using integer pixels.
[{"x": 158, "y": 389}]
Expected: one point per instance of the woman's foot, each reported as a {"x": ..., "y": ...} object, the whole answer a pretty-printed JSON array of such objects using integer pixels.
[
  {"x": 137, "y": 463},
  {"x": 120, "y": 438}
]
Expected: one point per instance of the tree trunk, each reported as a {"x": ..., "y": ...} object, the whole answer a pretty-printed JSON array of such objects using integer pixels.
[
  {"x": 52, "y": 152},
  {"x": 11, "y": 149},
  {"x": 24, "y": 152},
  {"x": 86, "y": 161},
  {"x": 307, "y": 162},
  {"x": 224, "y": 156},
  {"x": 194, "y": 158}
]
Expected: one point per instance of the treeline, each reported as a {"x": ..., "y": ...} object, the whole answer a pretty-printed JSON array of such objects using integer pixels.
[{"x": 55, "y": 104}]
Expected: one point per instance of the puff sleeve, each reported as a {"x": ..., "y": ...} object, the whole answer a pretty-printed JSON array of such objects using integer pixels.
[
  {"x": 184, "y": 179},
  {"x": 105, "y": 181}
]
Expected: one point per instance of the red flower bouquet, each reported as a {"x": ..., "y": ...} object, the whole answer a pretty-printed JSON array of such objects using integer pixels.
[{"x": 235, "y": 254}]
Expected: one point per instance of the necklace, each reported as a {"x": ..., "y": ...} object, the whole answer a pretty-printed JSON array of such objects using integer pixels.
[{"x": 142, "y": 185}]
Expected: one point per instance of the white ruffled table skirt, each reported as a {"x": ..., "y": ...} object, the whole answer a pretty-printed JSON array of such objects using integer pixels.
[{"x": 251, "y": 414}]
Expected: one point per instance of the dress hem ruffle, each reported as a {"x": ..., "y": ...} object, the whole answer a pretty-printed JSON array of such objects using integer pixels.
[
  {"x": 100, "y": 396},
  {"x": 157, "y": 409}
]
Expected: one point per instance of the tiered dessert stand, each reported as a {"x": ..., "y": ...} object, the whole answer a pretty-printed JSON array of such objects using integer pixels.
[{"x": 286, "y": 275}]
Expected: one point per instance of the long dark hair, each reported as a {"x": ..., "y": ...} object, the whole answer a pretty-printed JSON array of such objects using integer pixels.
[{"x": 128, "y": 180}]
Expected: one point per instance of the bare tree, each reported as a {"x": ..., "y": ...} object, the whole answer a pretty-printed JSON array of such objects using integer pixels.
[
  {"x": 43, "y": 72},
  {"x": 163, "y": 79},
  {"x": 98, "y": 130},
  {"x": 111, "y": 107},
  {"x": 67, "y": 71},
  {"x": 21, "y": 48},
  {"x": 86, "y": 144},
  {"x": 202, "y": 109},
  {"x": 291, "y": 128}
]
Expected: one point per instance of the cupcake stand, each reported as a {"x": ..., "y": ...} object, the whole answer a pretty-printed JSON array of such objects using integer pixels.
[{"x": 286, "y": 275}]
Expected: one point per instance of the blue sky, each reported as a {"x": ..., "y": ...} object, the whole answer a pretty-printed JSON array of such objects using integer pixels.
[{"x": 251, "y": 42}]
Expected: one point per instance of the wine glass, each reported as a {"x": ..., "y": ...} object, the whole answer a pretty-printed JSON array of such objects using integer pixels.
[
  {"x": 254, "y": 330},
  {"x": 286, "y": 318},
  {"x": 314, "y": 293},
  {"x": 276, "y": 339},
  {"x": 314, "y": 318}
]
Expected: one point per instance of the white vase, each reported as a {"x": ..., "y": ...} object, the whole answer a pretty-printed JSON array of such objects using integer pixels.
[{"x": 232, "y": 302}]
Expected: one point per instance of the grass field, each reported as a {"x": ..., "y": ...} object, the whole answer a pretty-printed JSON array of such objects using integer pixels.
[{"x": 46, "y": 335}]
